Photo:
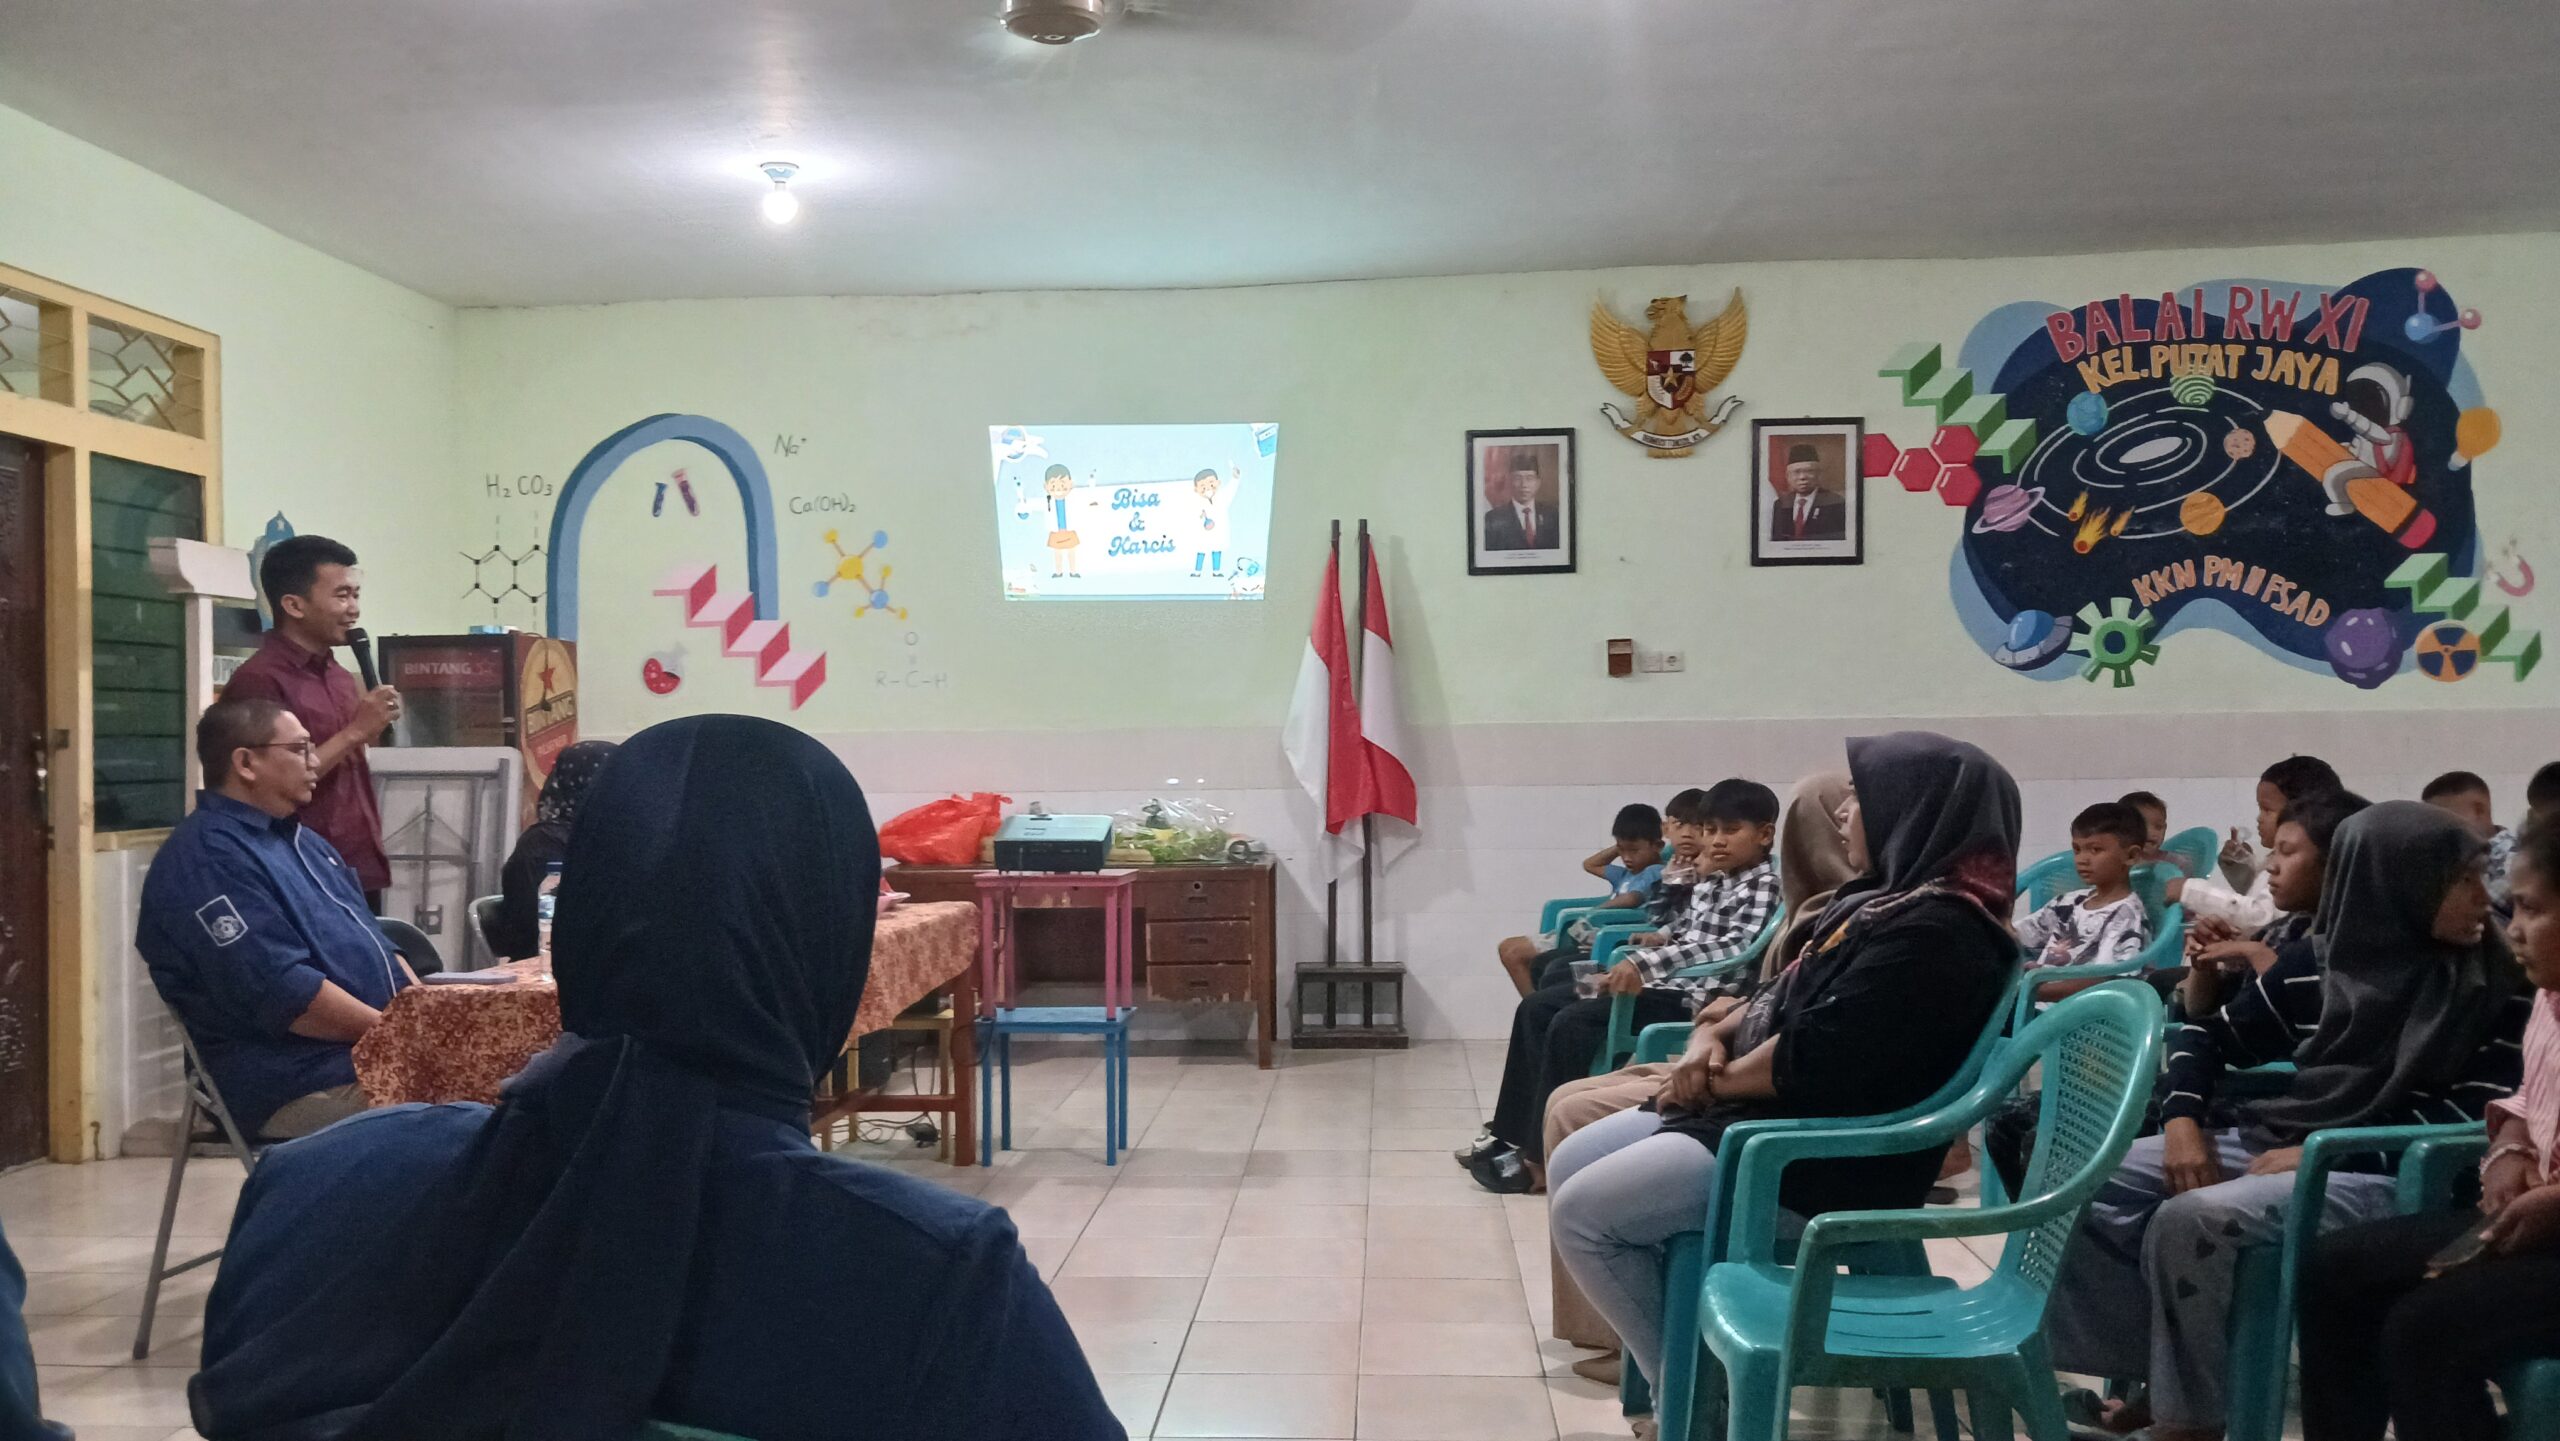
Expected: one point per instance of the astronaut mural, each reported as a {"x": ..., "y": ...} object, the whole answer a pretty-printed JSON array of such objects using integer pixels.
[{"x": 2288, "y": 462}]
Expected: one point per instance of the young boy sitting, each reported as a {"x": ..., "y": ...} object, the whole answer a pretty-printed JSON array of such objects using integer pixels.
[
  {"x": 2099, "y": 924},
  {"x": 2542, "y": 796},
  {"x": 2465, "y": 794},
  {"x": 1631, "y": 865},
  {"x": 2155, "y": 826},
  {"x": 2103, "y": 921},
  {"x": 1556, "y": 1032},
  {"x": 2242, "y": 904}
]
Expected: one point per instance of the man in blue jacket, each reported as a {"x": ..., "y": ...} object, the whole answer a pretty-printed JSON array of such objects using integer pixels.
[{"x": 257, "y": 932}]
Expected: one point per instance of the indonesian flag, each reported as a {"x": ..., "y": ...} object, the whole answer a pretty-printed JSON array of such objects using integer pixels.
[
  {"x": 1321, "y": 737},
  {"x": 1390, "y": 779}
]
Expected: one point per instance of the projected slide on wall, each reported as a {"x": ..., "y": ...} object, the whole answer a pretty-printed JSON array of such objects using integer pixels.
[{"x": 1133, "y": 512}]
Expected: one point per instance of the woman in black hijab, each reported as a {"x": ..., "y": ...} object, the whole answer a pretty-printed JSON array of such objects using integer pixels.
[
  {"x": 2422, "y": 1009},
  {"x": 1906, "y": 967},
  {"x": 543, "y": 844},
  {"x": 641, "y": 1229}
]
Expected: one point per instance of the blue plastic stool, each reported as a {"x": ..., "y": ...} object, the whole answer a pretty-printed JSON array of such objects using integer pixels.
[{"x": 995, "y": 1068}]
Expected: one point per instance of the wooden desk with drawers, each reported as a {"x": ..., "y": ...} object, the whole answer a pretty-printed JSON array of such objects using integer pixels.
[{"x": 1205, "y": 934}]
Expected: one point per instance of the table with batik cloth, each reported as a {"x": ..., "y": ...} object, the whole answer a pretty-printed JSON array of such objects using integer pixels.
[{"x": 458, "y": 1042}]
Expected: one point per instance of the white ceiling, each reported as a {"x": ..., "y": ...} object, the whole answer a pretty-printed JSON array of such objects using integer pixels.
[{"x": 544, "y": 151}]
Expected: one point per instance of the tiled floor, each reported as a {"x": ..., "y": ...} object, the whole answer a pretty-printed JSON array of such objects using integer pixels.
[
  {"x": 1292, "y": 1253},
  {"x": 1285, "y": 1253}
]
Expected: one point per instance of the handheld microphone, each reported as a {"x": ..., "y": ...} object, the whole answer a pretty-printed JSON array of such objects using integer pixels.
[{"x": 362, "y": 645}]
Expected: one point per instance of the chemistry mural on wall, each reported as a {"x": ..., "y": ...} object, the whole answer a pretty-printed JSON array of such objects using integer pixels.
[{"x": 2290, "y": 463}]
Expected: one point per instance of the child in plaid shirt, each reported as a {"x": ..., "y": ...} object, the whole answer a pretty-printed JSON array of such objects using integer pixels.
[{"x": 1556, "y": 1032}]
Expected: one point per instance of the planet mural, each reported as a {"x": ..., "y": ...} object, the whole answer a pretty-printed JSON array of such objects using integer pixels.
[
  {"x": 2087, "y": 413},
  {"x": 2157, "y": 467},
  {"x": 2185, "y": 455},
  {"x": 2200, "y": 513},
  {"x": 2007, "y": 507},
  {"x": 2363, "y": 648}
]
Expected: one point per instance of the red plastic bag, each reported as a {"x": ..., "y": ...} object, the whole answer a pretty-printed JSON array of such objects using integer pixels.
[{"x": 946, "y": 832}]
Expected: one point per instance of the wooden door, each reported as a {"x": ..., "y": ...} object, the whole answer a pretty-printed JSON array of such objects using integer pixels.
[{"x": 24, "y": 965}]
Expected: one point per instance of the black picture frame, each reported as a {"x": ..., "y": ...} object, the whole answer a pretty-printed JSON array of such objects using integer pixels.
[
  {"x": 1548, "y": 453},
  {"x": 1839, "y": 443}
]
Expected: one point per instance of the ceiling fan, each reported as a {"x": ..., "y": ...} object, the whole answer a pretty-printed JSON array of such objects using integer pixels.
[{"x": 1324, "y": 24}]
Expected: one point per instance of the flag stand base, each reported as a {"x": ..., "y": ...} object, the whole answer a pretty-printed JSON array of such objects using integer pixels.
[{"x": 1342, "y": 1007}]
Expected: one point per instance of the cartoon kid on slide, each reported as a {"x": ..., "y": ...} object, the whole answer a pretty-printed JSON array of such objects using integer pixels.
[
  {"x": 1214, "y": 504},
  {"x": 1058, "y": 483}
]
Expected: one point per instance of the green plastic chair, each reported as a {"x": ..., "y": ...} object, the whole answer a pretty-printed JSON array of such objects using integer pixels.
[
  {"x": 2166, "y": 949},
  {"x": 2197, "y": 848},
  {"x": 2041, "y": 880},
  {"x": 1621, "y": 1041},
  {"x": 2265, "y": 1287},
  {"x": 1773, "y": 1328},
  {"x": 1554, "y": 914},
  {"x": 1688, "y": 1256},
  {"x": 1606, "y": 936}
]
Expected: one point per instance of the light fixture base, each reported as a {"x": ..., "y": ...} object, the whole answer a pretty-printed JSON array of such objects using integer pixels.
[{"x": 1055, "y": 22}]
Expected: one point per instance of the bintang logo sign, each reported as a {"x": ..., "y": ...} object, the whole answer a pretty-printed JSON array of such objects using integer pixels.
[
  {"x": 2288, "y": 462},
  {"x": 547, "y": 691}
]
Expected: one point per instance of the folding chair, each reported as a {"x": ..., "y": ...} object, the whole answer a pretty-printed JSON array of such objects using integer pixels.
[
  {"x": 413, "y": 945},
  {"x": 203, "y": 1118},
  {"x": 484, "y": 917}
]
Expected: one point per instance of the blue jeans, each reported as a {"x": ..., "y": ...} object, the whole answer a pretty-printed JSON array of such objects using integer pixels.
[
  {"x": 1618, "y": 1190},
  {"x": 20, "y": 1420}
]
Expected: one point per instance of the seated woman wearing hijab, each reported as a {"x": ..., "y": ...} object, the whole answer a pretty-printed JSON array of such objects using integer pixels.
[
  {"x": 543, "y": 844},
  {"x": 641, "y": 1229},
  {"x": 1906, "y": 966},
  {"x": 2422, "y": 1012},
  {"x": 1813, "y": 862}
]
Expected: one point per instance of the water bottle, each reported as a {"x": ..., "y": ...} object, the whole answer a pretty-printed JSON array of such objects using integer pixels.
[{"x": 542, "y": 903}]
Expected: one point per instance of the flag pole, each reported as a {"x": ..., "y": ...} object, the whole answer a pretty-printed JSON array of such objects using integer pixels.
[
  {"x": 1368, "y": 823},
  {"x": 1332, "y": 886}
]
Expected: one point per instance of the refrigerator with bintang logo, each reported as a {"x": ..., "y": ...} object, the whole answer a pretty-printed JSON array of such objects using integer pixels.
[{"x": 517, "y": 689}]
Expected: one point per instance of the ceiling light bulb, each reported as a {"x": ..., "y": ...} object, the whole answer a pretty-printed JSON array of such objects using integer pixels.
[{"x": 780, "y": 205}]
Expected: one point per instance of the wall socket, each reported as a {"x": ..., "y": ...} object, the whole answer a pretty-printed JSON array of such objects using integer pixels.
[
  {"x": 1656, "y": 662},
  {"x": 1673, "y": 660}
]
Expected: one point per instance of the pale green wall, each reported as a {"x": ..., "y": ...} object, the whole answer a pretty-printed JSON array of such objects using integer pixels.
[
  {"x": 337, "y": 386},
  {"x": 1374, "y": 384}
]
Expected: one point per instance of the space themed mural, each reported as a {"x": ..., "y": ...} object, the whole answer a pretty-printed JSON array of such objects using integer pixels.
[{"x": 2289, "y": 462}]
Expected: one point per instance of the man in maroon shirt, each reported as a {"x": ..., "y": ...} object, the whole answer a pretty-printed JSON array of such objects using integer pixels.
[{"x": 313, "y": 587}]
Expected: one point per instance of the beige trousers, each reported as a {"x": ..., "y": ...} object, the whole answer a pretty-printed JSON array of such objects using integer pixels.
[{"x": 1577, "y": 1104}]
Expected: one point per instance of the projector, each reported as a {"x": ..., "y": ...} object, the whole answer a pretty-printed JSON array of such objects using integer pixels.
[{"x": 1053, "y": 843}]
